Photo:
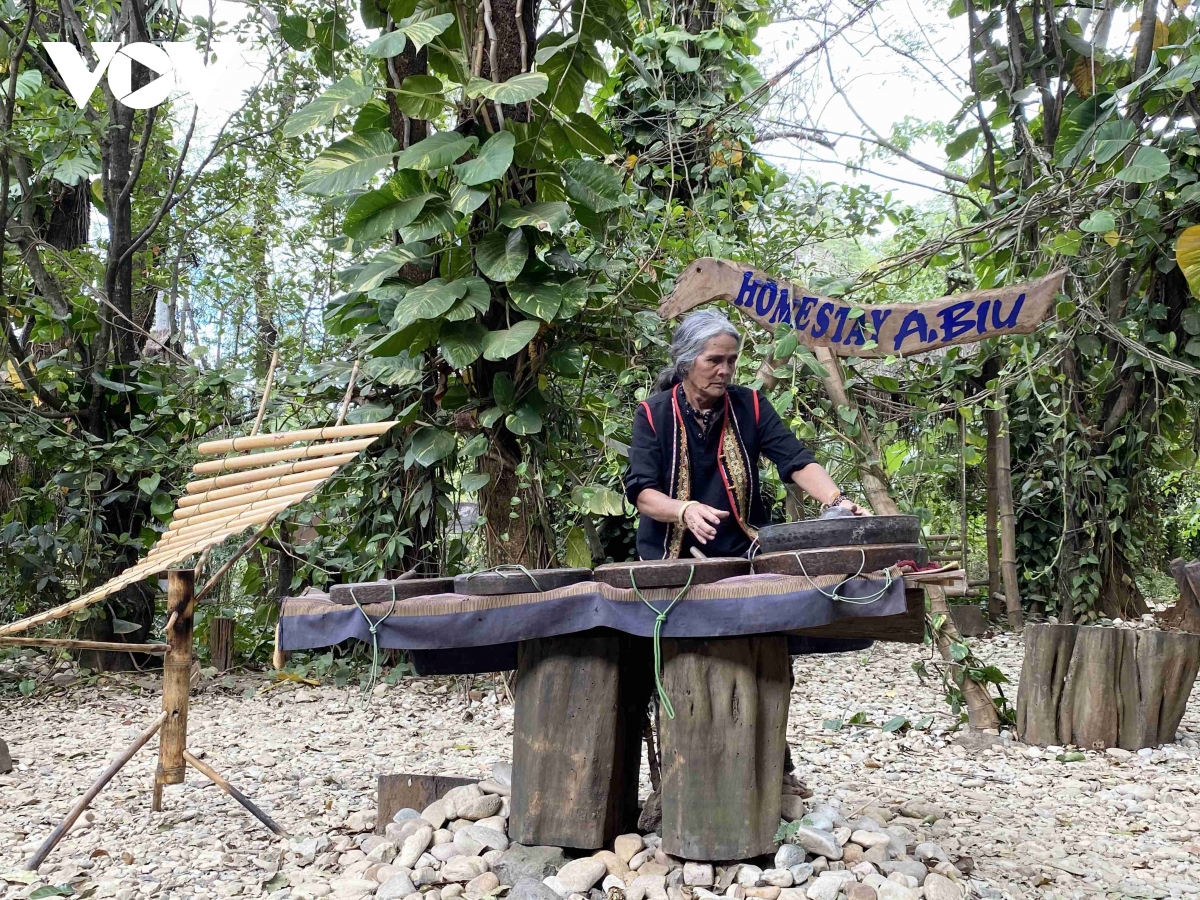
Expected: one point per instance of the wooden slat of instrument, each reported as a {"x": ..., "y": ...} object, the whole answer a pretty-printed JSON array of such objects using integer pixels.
[
  {"x": 304, "y": 465},
  {"x": 251, "y": 487}
]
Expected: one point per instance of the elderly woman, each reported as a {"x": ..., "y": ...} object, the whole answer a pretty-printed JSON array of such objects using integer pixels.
[{"x": 693, "y": 464}]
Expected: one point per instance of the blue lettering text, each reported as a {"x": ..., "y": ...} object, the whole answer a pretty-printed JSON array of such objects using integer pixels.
[
  {"x": 749, "y": 288},
  {"x": 914, "y": 323},
  {"x": 1011, "y": 321},
  {"x": 806, "y": 305},
  {"x": 954, "y": 319},
  {"x": 822, "y": 325},
  {"x": 981, "y": 318},
  {"x": 763, "y": 304}
]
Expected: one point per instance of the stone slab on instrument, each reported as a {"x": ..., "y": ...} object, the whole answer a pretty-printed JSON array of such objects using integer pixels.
[
  {"x": 516, "y": 581},
  {"x": 668, "y": 573},
  {"x": 855, "y": 531},
  {"x": 838, "y": 560},
  {"x": 723, "y": 752},
  {"x": 581, "y": 701},
  {"x": 382, "y": 591}
]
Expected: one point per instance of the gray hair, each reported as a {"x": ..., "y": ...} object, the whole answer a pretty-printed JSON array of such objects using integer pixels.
[{"x": 691, "y": 337}]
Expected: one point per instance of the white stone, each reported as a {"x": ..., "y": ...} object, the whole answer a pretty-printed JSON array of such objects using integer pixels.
[
  {"x": 627, "y": 845},
  {"x": 580, "y": 874},
  {"x": 463, "y": 868},
  {"x": 414, "y": 845},
  {"x": 698, "y": 874}
]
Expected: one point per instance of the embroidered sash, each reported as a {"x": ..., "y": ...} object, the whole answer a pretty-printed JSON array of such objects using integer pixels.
[{"x": 733, "y": 464}]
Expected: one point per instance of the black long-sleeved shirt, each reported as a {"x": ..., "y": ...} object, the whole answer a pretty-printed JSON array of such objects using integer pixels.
[{"x": 651, "y": 457}]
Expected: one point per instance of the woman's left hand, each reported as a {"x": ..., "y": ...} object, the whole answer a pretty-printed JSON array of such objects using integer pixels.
[{"x": 847, "y": 503}]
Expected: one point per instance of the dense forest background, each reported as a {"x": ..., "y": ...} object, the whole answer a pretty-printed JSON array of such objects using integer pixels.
[{"x": 482, "y": 204}]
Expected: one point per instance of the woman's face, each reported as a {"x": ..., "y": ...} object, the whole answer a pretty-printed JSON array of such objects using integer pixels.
[{"x": 713, "y": 369}]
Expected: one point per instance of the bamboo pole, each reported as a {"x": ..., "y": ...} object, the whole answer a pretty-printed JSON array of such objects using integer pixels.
[
  {"x": 962, "y": 486},
  {"x": 215, "y": 777},
  {"x": 247, "y": 499},
  {"x": 177, "y": 671},
  {"x": 868, "y": 466},
  {"x": 85, "y": 801},
  {"x": 244, "y": 490},
  {"x": 70, "y": 644},
  {"x": 203, "y": 485},
  {"x": 262, "y": 407},
  {"x": 279, "y": 438},
  {"x": 1008, "y": 521},
  {"x": 992, "y": 526},
  {"x": 981, "y": 711},
  {"x": 349, "y": 393},
  {"x": 253, "y": 460}
]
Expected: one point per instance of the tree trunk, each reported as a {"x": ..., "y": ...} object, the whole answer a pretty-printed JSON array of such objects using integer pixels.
[
  {"x": 981, "y": 711},
  {"x": 1186, "y": 613},
  {"x": 870, "y": 473},
  {"x": 220, "y": 643},
  {"x": 514, "y": 531},
  {"x": 1008, "y": 520},
  {"x": 1096, "y": 687}
]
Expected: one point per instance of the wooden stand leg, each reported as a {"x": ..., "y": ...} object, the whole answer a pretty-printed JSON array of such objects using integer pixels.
[
  {"x": 177, "y": 671},
  {"x": 723, "y": 753},
  {"x": 216, "y": 778},
  {"x": 580, "y": 704},
  {"x": 97, "y": 786}
]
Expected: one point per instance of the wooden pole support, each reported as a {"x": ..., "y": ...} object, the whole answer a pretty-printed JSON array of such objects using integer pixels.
[
  {"x": 69, "y": 644},
  {"x": 177, "y": 670},
  {"x": 97, "y": 786},
  {"x": 215, "y": 777}
]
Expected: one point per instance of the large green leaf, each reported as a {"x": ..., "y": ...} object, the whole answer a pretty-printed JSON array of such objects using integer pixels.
[
  {"x": 348, "y": 163},
  {"x": 598, "y": 500},
  {"x": 435, "y": 152},
  {"x": 436, "y": 218},
  {"x": 462, "y": 343},
  {"x": 1076, "y": 133},
  {"x": 546, "y": 216},
  {"x": 478, "y": 294},
  {"x": 427, "y": 301},
  {"x": 1111, "y": 138},
  {"x": 592, "y": 184},
  {"x": 386, "y": 264},
  {"x": 517, "y": 89},
  {"x": 374, "y": 116},
  {"x": 1148, "y": 164},
  {"x": 465, "y": 200},
  {"x": 432, "y": 444},
  {"x": 494, "y": 158},
  {"x": 387, "y": 209},
  {"x": 502, "y": 254},
  {"x": 538, "y": 298},
  {"x": 348, "y": 93},
  {"x": 587, "y": 136},
  {"x": 1101, "y": 221},
  {"x": 420, "y": 96},
  {"x": 422, "y": 31},
  {"x": 523, "y": 420},
  {"x": 500, "y": 345}
]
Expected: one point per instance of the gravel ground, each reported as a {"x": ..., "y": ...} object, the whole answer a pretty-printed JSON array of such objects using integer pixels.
[{"x": 1115, "y": 824}]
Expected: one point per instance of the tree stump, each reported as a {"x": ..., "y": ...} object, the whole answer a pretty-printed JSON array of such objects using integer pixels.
[
  {"x": 1096, "y": 687},
  {"x": 723, "y": 753},
  {"x": 580, "y": 703},
  {"x": 220, "y": 643}
]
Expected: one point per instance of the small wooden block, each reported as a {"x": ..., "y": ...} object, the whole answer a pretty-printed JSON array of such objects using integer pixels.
[
  {"x": 723, "y": 752},
  {"x": 907, "y": 627},
  {"x": 669, "y": 573},
  {"x": 486, "y": 584},
  {"x": 813, "y": 534},
  {"x": 968, "y": 619},
  {"x": 397, "y": 792},
  {"x": 386, "y": 591}
]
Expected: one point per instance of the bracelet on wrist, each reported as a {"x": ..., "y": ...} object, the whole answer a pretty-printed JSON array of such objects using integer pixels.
[
  {"x": 834, "y": 501},
  {"x": 683, "y": 509}
]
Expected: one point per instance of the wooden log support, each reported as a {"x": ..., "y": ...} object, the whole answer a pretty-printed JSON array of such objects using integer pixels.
[
  {"x": 981, "y": 711},
  {"x": 723, "y": 753},
  {"x": 580, "y": 703},
  {"x": 220, "y": 643},
  {"x": 395, "y": 792},
  {"x": 85, "y": 801},
  {"x": 177, "y": 669},
  {"x": 1096, "y": 687}
]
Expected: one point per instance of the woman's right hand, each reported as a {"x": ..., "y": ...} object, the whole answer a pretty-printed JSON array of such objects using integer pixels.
[{"x": 702, "y": 521}]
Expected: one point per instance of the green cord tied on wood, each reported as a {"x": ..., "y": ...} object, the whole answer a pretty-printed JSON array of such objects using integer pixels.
[
  {"x": 659, "y": 621},
  {"x": 373, "y": 627}
]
